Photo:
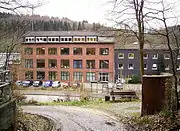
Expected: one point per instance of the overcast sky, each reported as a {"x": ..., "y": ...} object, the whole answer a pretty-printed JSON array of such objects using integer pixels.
[{"x": 79, "y": 10}]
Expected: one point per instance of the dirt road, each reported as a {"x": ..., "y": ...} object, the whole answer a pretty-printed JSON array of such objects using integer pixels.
[{"x": 77, "y": 119}]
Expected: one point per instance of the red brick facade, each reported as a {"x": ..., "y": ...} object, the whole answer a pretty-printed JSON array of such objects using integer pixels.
[{"x": 97, "y": 57}]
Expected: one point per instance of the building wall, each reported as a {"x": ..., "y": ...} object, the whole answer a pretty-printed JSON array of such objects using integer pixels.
[
  {"x": 71, "y": 57},
  {"x": 161, "y": 62}
]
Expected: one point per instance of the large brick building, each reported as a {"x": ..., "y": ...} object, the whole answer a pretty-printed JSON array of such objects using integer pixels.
[{"x": 67, "y": 56}]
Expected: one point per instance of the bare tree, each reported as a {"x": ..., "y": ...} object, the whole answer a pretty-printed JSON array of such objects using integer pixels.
[
  {"x": 131, "y": 16},
  {"x": 170, "y": 36},
  {"x": 11, "y": 35}
]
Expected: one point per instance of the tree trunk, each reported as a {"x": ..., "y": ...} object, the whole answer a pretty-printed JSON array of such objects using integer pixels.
[
  {"x": 141, "y": 62},
  {"x": 176, "y": 92}
]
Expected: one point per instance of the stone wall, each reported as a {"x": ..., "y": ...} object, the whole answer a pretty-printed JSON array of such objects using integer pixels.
[{"x": 7, "y": 114}]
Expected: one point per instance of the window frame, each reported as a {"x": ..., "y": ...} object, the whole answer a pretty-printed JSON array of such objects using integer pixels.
[
  {"x": 121, "y": 67},
  {"x": 30, "y": 64},
  {"x": 77, "y": 66},
  {"x": 155, "y": 58},
  {"x": 131, "y": 57},
  {"x": 65, "y": 53},
  {"x": 131, "y": 68},
  {"x": 122, "y": 55},
  {"x": 102, "y": 52},
  {"x": 39, "y": 52},
  {"x": 66, "y": 75},
  {"x": 77, "y": 76},
  {"x": 50, "y": 51},
  {"x": 101, "y": 64},
  {"x": 39, "y": 60},
  {"x": 26, "y": 52}
]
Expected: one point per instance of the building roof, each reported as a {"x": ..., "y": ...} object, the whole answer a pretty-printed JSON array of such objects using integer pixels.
[
  {"x": 63, "y": 33},
  {"x": 131, "y": 42}
]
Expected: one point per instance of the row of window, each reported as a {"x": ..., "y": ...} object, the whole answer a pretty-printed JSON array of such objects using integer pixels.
[
  {"x": 65, "y": 75},
  {"x": 65, "y": 51},
  {"x": 131, "y": 56},
  {"x": 65, "y": 63},
  {"x": 61, "y": 39},
  {"x": 154, "y": 67}
]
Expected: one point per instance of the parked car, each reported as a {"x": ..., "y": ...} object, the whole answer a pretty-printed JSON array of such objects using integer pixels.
[
  {"x": 27, "y": 83},
  {"x": 37, "y": 83},
  {"x": 18, "y": 83},
  {"x": 48, "y": 83},
  {"x": 56, "y": 84}
]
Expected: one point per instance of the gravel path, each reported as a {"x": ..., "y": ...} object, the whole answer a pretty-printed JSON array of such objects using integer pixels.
[{"x": 77, "y": 119}]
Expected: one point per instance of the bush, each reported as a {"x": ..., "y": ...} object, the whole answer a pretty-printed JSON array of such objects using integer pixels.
[{"x": 135, "y": 79}]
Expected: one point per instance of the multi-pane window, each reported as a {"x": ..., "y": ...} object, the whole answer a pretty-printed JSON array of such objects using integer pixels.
[
  {"x": 90, "y": 76},
  {"x": 104, "y": 51},
  {"x": 52, "y": 51},
  {"x": 145, "y": 66},
  {"x": 40, "y": 51},
  {"x": 40, "y": 63},
  {"x": 166, "y": 67},
  {"x": 121, "y": 55},
  {"x": 104, "y": 76},
  {"x": 178, "y": 67},
  {"x": 40, "y": 75},
  {"x": 28, "y": 63},
  {"x": 154, "y": 67},
  {"x": 77, "y": 76},
  {"x": 104, "y": 64},
  {"x": 52, "y": 63},
  {"x": 90, "y": 51},
  {"x": 120, "y": 66},
  {"x": 77, "y": 63},
  {"x": 65, "y": 75},
  {"x": 65, "y": 63},
  {"x": 131, "y": 55},
  {"x": 155, "y": 56},
  {"x": 145, "y": 56},
  {"x": 178, "y": 57},
  {"x": 77, "y": 51},
  {"x": 28, "y": 75},
  {"x": 64, "y": 51},
  {"x": 166, "y": 56},
  {"x": 28, "y": 51},
  {"x": 130, "y": 66},
  {"x": 90, "y": 64},
  {"x": 52, "y": 75}
]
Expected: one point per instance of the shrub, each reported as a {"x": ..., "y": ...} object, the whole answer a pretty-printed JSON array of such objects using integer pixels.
[{"x": 135, "y": 79}]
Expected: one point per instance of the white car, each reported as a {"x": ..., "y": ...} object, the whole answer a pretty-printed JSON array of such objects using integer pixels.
[{"x": 56, "y": 84}]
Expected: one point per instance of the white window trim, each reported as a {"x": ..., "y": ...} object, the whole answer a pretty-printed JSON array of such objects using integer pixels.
[
  {"x": 79, "y": 38},
  {"x": 154, "y": 68},
  {"x": 167, "y": 68},
  {"x": 88, "y": 39},
  {"x": 146, "y": 67},
  {"x": 130, "y": 57},
  {"x": 178, "y": 57},
  {"x": 131, "y": 68},
  {"x": 178, "y": 68},
  {"x": 122, "y": 66},
  {"x": 145, "y": 57},
  {"x": 166, "y": 58},
  {"x": 155, "y": 58},
  {"x": 121, "y": 57}
]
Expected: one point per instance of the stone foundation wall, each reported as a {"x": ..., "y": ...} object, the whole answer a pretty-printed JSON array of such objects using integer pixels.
[{"x": 7, "y": 114}]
